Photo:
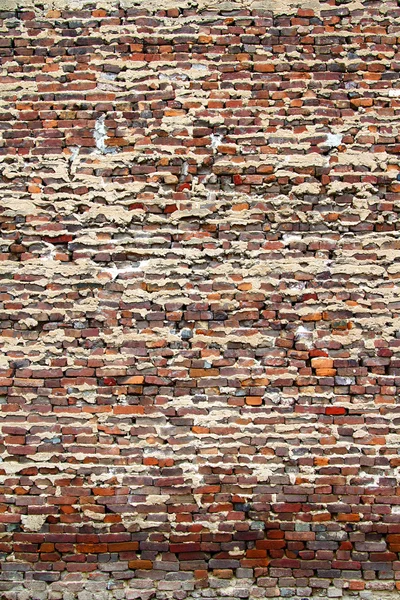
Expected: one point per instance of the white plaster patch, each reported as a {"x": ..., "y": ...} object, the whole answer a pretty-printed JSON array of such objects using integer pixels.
[
  {"x": 115, "y": 271},
  {"x": 173, "y": 77},
  {"x": 288, "y": 238},
  {"x": 216, "y": 140},
  {"x": 333, "y": 140},
  {"x": 74, "y": 153},
  {"x": 50, "y": 252},
  {"x": 29, "y": 322},
  {"x": 305, "y": 336},
  {"x": 100, "y": 136},
  {"x": 90, "y": 514},
  {"x": 33, "y": 522},
  {"x": 274, "y": 397}
]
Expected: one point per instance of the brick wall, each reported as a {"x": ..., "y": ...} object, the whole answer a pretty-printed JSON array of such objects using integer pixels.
[{"x": 200, "y": 318}]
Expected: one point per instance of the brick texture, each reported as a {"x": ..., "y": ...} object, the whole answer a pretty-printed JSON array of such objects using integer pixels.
[{"x": 199, "y": 301}]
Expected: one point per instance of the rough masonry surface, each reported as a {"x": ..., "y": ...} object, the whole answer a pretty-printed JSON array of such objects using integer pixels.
[{"x": 200, "y": 318}]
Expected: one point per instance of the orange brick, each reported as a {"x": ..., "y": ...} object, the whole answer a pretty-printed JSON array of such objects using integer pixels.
[
  {"x": 312, "y": 317},
  {"x": 140, "y": 564},
  {"x": 362, "y": 102},
  {"x": 133, "y": 380},
  {"x": 123, "y": 546},
  {"x": 360, "y": 585},
  {"x": 377, "y": 441},
  {"x": 245, "y": 287},
  {"x": 91, "y": 548},
  {"x": 203, "y": 372},
  {"x": 325, "y": 372},
  {"x": 264, "y": 67},
  {"x": 321, "y": 517},
  {"x": 320, "y": 362},
  {"x": 103, "y": 491},
  {"x": 348, "y": 517},
  {"x": 128, "y": 410},
  {"x": 223, "y": 573},
  {"x": 329, "y": 440},
  {"x": 253, "y": 400},
  {"x": 321, "y": 461},
  {"x": 201, "y": 574},
  {"x": 196, "y": 429},
  {"x": 240, "y": 207}
]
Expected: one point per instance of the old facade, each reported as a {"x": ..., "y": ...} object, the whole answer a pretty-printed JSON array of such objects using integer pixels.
[{"x": 200, "y": 260}]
